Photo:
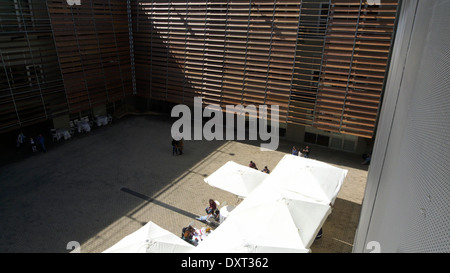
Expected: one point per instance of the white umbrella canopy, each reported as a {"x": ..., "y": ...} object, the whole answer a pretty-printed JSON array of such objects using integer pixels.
[
  {"x": 310, "y": 178},
  {"x": 151, "y": 238},
  {"x": 236, "y": 178},
  {"x": 264, "y": 228},
  {"x": 268, "y": 221}
]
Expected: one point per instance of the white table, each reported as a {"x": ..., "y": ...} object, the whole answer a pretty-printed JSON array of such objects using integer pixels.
[
  {"x": 199, "y": 235},
  {"x": 62, "y": 133},
  {"x": 102, "y": 120},
  {"x": 83, "y": 126}
]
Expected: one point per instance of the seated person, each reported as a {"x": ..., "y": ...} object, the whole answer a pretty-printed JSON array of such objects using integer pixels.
[
  {"x": 367, "y": 160},
  {"x": 212, "y": 207},
  {"x": 215, "y": 216},
  {"x": 265, "y": 170},
  {"x": 187, "y": 234},
  {"x": 306, "y": 151}
]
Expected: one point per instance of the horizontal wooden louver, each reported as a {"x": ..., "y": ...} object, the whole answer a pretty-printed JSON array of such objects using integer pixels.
[
  {"x": 92, "y": 43},
  {"x": 323, "y": 62},
  {"x": 31, "y": 86},
  {"x": 227, "y": 52},
  {"x": 341, "y": 61}
]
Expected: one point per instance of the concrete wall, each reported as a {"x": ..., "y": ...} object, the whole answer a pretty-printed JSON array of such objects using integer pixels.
[{"x": 407, "y": 196}]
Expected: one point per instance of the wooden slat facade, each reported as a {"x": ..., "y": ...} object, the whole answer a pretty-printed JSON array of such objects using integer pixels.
[
  {"x": 323, "y": 62},
  {"x": 341, "y": 65},
  {"x": 93, "y": 46},
  {"x": 241, "y": 52},
  {"x": 228, "y": 52},
  {"x": 31, "y": 86}
]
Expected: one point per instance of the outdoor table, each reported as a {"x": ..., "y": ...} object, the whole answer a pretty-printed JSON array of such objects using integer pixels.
[
  {"x": 83, "y": 126},
  {"x": 62, "y": 133},
  {"x": 102, "y": 120}
]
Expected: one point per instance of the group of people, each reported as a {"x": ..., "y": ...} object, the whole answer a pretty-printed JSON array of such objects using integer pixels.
[
  {"x": 194, "y": 236},
  {"x": 253, "y": 165},
  {"x": 212, "y": 217},
  {"x": 177, "y": 146},
  {"x": 21, "y": 141},
  {"x": 304, "y": 152}
]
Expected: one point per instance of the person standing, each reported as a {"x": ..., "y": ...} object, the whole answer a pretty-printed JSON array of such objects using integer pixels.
[
  {"x": 174, "y": 147},
  {"x": 180, "y": 146},
  {"x": 21, "y": 139},
  {"x": 41, "y": 142},
  {"x": 33, "y": 145}
]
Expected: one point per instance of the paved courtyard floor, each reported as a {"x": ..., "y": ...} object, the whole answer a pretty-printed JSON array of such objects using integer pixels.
[{"x": 99, "y": 187}]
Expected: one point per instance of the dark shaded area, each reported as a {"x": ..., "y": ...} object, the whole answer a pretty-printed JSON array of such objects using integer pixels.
[
  {"x": 159, "y": 203},
  {"x": 73, "y": 191}
]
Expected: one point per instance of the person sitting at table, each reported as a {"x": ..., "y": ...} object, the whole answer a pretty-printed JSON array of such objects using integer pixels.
[
  {"x": 306, "y": 151},
  {"x": 212, "y": 206},
  {"x": 252, "y": 165},
  {"x": 214, "y": 216},
  {"x": 294, "y": 150},
  {"x": 187, "y": 233},
  {"x": 265, "y": 170}
]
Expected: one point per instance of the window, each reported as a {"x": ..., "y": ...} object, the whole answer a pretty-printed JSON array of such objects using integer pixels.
[{"x": 35, "y": 74}]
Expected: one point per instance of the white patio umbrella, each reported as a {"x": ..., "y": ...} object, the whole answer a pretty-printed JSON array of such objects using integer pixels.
[
  {"x": 151, "y": 238},
  {"x": 224, "y": 212},
  {"x": 283, "y": 213},
  {"x": 310, "y": 178},
  {"x": 267, "y": 221},
  {"x": 236, "y": 178}
]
